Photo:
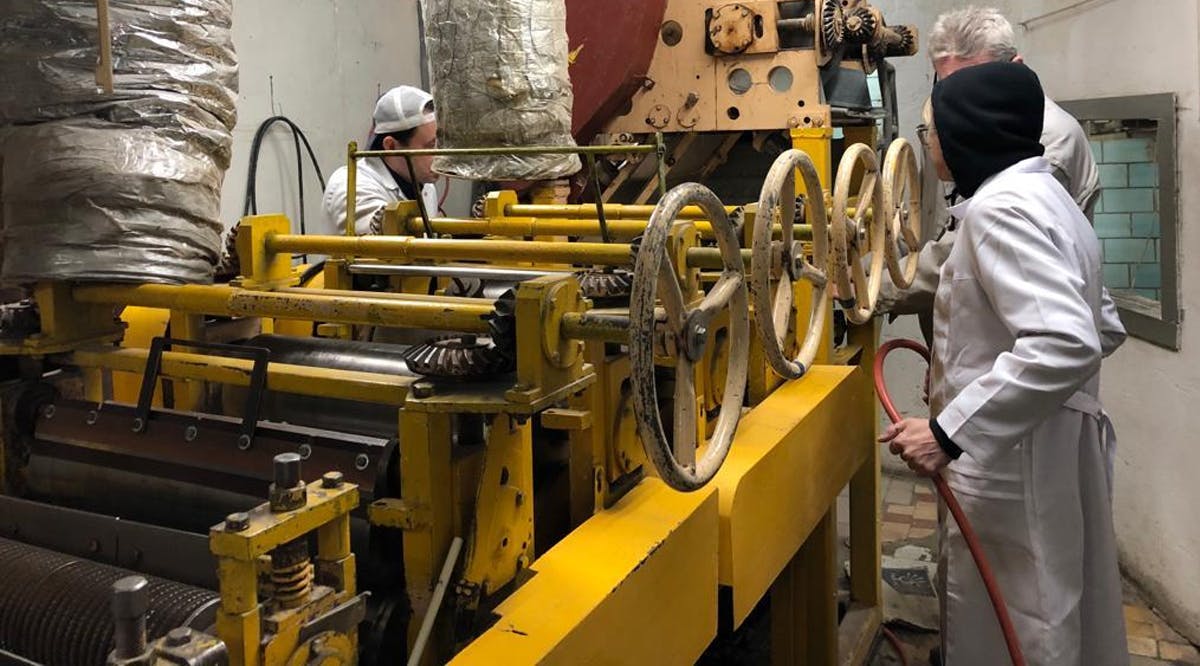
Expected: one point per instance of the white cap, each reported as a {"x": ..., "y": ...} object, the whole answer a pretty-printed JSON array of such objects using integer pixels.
[{"x": 403, "y": 108}]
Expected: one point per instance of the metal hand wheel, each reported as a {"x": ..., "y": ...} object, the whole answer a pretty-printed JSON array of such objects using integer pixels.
[
  {"x": 686, "y": 331},
  {"x": 902, "y": 202},
  {"x": 858, "y": 232},
  {"x": 784, "y": 259}
]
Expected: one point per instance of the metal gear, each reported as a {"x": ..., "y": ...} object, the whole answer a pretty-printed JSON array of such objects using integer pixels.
[
  {"x": 861, "y": 25},
  {"x": 905, "y": 43},
  {"x": 457, "y": 357},
  {"x": 605, "y": 284},
  {"x": 833, "y": 24}
]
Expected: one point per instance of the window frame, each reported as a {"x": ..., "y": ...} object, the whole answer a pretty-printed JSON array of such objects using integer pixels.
[{"x": 1165, "y": 329}]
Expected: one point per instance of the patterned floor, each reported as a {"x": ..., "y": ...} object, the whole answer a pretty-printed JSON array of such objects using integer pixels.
[{"x": 910, "y": 514}]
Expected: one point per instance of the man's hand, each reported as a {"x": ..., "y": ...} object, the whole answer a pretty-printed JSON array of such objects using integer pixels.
[{"x": 913, "y": 441}]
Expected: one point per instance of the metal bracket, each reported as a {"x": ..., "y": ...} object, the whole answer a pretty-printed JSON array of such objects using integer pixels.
[{"x": 258, "y": 381}]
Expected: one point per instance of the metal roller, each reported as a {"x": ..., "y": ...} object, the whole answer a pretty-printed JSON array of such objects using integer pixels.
[{"x": 56, "y": 609}]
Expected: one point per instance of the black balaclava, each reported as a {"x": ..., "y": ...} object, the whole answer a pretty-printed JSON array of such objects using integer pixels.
[{"x": 988, "y": 117}]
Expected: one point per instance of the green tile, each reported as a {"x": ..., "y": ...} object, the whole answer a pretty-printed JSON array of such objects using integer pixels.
[
  {"x": 1129, "y": 250},
  {"x": 1128, "y": 200},
  {"x": 1114, "y": 175},
  {"x": 1143, "y": 175},
  {"x": 1116, "y": 276},
  {"x": 1112, "y": 225},
  {"x": 1147, "y": 276},
  {"x": 1139, "y": 149},
  {"x": 1097, "y": 151},
  {"x": 1151, "y": 294},
  {"x": 1145, "y": 225}
]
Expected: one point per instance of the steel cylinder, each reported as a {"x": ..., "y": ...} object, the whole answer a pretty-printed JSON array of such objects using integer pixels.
[{"x": 57, "y": 610}]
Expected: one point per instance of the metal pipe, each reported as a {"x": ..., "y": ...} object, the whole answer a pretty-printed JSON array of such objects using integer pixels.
[
  {"x": 421, "y": 270},
  {"x": 619, "y": 229},
  {"x": 351, "y": 188},
  {"x": 596, "y": 325},
  {"x": 611, "y": 211},
  {"x": 337, "y": 308},
  {"x": 515, "y": 150},
  {"x": 411, "y": 249},
  {"x": 435, "y": 603}
]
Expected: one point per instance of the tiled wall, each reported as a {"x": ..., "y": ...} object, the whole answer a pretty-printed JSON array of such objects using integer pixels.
[{"x": 1127, "y": 214}]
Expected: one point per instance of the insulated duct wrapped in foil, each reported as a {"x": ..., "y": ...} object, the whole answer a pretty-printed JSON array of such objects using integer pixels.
[
  {"x": 121, "y": 186},
  {"x": 500, "y": 79}
]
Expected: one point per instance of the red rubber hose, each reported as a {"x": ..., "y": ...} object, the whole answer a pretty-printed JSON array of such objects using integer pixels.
[
  {"x": 964, "y": 525},
  {"x": 891, "y": 638}
]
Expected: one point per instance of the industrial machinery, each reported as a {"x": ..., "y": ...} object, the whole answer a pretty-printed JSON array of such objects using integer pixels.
[{"x": 555, "y": 433}]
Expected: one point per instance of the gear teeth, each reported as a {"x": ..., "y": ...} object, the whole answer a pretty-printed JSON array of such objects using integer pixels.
[
  {"x": 833, "y": 24},
  {"x": 605, "y": 284},
  {"x": 458, "y": 357}
]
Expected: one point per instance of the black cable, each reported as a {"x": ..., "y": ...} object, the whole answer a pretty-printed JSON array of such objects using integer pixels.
[
  {"x": 250, "y": 204},
  {"x": 311, "y": 272}
]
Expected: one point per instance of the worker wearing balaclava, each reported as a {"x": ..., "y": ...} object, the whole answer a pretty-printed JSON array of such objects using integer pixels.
[{"x": 1017, "y": 426}]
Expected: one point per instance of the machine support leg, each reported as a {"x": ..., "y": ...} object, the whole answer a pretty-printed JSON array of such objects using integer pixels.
[
  {"x": 866, "y": 587},
  {"x": 804, "y": 619}
]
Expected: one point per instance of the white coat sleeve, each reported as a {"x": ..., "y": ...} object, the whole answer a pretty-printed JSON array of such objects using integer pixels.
[
  {"x": 1112, "y": 331},
  {"x": 369, "y": 204},
  {"x": 1038, "y": 296}
]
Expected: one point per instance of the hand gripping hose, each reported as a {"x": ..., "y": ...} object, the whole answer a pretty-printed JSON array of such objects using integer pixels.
[{"x": 964, "y": 525}]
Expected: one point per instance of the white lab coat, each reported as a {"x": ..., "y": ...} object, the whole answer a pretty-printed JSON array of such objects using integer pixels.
[
  {"x": 376, "y": 189},
  {"x": 1070, "y": 156},
  {"x": 1020, "y": 327}
]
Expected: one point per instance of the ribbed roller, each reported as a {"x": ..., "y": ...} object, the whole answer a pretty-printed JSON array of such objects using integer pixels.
[{"x": 55, "y": 609}]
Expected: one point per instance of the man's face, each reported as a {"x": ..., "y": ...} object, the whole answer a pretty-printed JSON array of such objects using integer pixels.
[
  {"x": 935, "y": 151},
  {"x": 424, "y": 138}
]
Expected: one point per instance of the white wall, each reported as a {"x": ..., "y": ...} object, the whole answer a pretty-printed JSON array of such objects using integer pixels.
[
  {"x": 1100, "y": 49},
  {"x": 321, "y": 63}
]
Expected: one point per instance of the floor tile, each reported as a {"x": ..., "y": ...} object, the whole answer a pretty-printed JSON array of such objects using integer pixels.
[
  {"x": 1178, "y": 652},
  {"x": 1146, "y": 647}
]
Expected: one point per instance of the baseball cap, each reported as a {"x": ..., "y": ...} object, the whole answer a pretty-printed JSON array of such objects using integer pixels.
[{"x": 403, "y": 108}]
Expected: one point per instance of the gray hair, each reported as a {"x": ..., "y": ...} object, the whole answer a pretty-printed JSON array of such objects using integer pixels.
[{"x": 971, "y": 32}]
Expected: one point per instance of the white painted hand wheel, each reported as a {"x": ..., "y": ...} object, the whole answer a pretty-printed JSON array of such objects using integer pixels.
[
  {"x": 785, "y": 257},
  {"x": 856, "y": 236},
  {"x": 686, "y": 329},
  {"x": 902, "y": 201}
]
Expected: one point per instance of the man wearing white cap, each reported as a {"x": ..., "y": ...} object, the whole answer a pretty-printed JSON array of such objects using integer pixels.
[{"x": 404, "y": 119}]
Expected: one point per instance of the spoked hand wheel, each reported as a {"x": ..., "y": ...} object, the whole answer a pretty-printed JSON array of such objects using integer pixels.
[
  {"x": 686, "y": 331},
  {"x": 855, "y": 236},
  {"x": 784, "y": 259},
  {"x": 902, "y": 202}
]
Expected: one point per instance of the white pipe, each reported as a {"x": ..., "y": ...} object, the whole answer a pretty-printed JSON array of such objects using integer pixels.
[{"x": 435, "y": 603}]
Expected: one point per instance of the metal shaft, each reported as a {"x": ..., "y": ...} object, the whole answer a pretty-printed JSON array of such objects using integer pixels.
[
  {"x": 498, "y": 273},
  {"x": 519, "y": 227},
  {"x": 611, "y": 211},
  {"x": 338, "y": 307},
  {"x": 413, "y": 249}
]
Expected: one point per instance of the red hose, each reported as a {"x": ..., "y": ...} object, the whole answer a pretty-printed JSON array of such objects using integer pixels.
[
  {"x": 964, "y": 525},
  {"x": 891, "y": 638}
]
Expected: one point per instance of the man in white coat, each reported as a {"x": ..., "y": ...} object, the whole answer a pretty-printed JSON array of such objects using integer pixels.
[
  {"x": 1017, "y": 427},
  {"x": 972, "y": 36},
  {"x": 404, "y": 119}
]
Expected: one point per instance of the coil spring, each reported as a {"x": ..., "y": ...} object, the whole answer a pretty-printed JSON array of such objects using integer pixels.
[{"x": 291, "y": 574}]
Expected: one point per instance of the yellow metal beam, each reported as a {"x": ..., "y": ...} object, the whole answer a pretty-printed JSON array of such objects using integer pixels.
[
  {"x": 340, "y": 307},
  {"x": 783, "y": 474},
  {"x": 281, "y": 377},
  {"x": 627, "y": 586},
  {"x": 611, "y": 211}
]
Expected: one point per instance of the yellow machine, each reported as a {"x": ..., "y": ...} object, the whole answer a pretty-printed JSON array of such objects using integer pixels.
[{"x": 556, "y": 433}]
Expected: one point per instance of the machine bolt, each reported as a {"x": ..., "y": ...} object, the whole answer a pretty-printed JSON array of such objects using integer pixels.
[
  {"x": 237, "y": 522},
  {"x": 130, "y": 601},
  {"x": 361, "y": 462},
  {"x": 92, "y": 417},
  {"x": 304, "y": 450},
  {"x": 190, "y": 433},
  {"x": 520, "y": 498},
  {"x": 139, "y": 425},
  {"x": 244, "y": 442},
  {"x": 331, "y": 480},
  {"x": 422, "y": 390},
  {"x": 179, "y": 636},
  {"x": 48, "y": 412},
  {"x": 287, "y": 470}
]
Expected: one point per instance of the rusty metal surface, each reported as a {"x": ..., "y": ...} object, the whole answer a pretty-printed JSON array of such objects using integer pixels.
[
  {"x": 201, "y": 449},
  {"x": 613, "y": 43},
  {"x": 60, "y": 613}
]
